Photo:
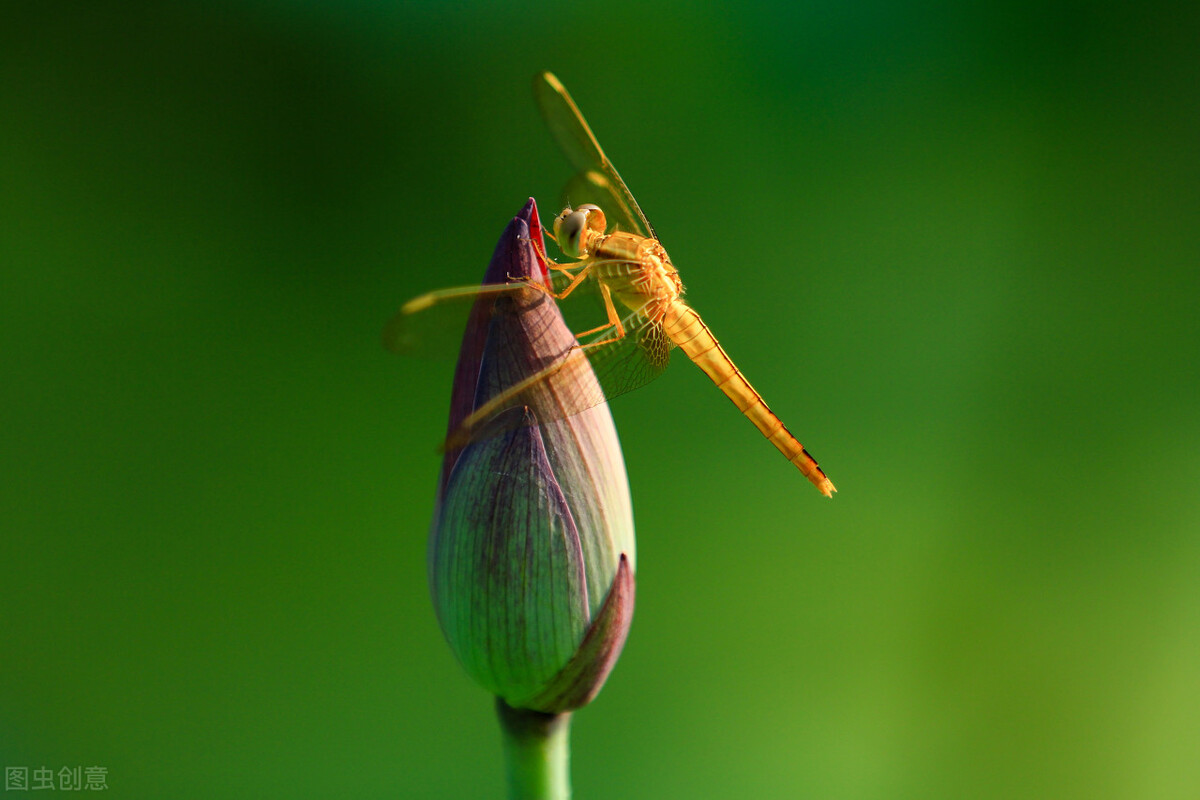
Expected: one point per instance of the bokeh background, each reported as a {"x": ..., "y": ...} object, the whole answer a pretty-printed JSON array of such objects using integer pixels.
[{"x": 955, "y": 246}]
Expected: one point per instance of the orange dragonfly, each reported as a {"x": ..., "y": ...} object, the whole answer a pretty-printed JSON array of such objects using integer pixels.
[{"x": 617, "y": 253}]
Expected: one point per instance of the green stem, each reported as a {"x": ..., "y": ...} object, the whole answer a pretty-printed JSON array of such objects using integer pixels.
[{"x": 537, "y": 753}]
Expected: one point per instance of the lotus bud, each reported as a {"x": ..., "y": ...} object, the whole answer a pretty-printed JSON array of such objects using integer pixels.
[{"x": 531, "y": 553}]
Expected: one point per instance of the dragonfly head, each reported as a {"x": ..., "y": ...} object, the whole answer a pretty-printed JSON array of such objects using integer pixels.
[{"x": 574, "y": 228}]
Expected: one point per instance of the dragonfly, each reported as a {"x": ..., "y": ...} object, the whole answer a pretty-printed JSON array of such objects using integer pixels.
[{"x": 617, "y": 254}]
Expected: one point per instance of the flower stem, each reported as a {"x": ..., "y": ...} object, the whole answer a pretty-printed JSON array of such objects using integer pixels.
[{"x": 537, "y": 753}]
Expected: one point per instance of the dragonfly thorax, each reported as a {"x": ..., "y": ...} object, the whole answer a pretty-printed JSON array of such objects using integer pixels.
[{"x": 637, "y": 270}]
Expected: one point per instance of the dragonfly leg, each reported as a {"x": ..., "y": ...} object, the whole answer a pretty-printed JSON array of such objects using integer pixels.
[
  {"x": 565, "y": 269},
  {"x": 546, "y": 260},
  {"x": 614, "y": 321},
  {"x": 576, "y": 279},
  {"x": 540, "y": 249}
]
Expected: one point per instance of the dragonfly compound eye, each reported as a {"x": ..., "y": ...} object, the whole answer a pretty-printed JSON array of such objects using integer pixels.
[
  {"x": 568, "y": 229},
  {"x": 570, "y": 225}
]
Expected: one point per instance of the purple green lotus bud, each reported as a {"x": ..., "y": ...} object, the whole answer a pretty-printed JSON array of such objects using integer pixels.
[{"x": 531, "y": 556}]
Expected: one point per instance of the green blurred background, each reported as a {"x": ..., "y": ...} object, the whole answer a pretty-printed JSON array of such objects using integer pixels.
[{"x": 955, "y": 247}]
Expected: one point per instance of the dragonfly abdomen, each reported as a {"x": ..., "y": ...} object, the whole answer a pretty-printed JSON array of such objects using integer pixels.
[{"x": 685, "y": 328}]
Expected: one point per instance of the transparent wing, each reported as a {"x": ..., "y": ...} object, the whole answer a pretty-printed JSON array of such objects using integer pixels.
[
  {"x": 557, "y": 390},
  {"x": 632, "y": 361},
  {"x": 597, "y": 181},
  {"x": 621, "y": 364},
  {"x": 432, "y": 324}
]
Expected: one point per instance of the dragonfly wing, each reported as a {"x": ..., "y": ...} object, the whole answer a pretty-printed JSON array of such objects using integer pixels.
[
  {"x": 433, "y": 322},
  {"x": 597, "y": 187},
  {"x": 597, "y": 181},
  {"x": 431, "y": 326},
  {"x": 561, "y": 386},
  {"x": 631, "y": 361}
]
